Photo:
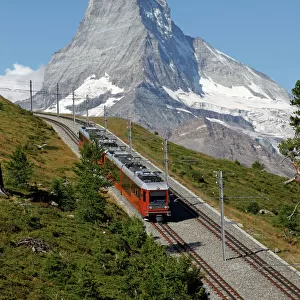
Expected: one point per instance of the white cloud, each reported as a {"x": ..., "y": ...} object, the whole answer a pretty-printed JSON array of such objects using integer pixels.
[{"x": 14, "y": 84}]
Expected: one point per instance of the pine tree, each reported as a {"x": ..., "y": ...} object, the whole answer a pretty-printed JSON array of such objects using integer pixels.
[
  {"x": 91, "y": 178},
  {"x": 290, "y": 148},
  {"x": 63, "y": 194},
  {"x": 19, "y": 168},
  {"x": 295, "y": 119}
]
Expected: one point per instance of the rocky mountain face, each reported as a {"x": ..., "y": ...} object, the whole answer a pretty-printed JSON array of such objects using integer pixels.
[
  {"x": 129, "y": 56},
  {"x": 211, "y": 137}
]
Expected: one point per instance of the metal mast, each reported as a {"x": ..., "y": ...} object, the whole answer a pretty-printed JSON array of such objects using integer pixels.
[
  {"x": 221, "y": 198},
  {"x": 166, "y": 159},
  {"x": 87, "y": 110},
  {"x": 57, "y": 99},
  {"x": 30, "y": 84},
  {"x": 73, "y": 97},
  {"x": 130, "y": 136},
  {"x": 105, "y": 120}
]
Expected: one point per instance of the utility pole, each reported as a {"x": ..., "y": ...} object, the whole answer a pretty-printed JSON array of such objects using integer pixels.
[
  {"x": 105, "y": 120},
  {"x": 73, "y": 96},
  {"x": 166, "y": 159},
  {"x": 130, "y": 136},
  {"x": 221, "y": 198},
  {"x": 57, "y": 99},
  {"x": 30, "y": 84},
  {"x": 87, "y": 110}
]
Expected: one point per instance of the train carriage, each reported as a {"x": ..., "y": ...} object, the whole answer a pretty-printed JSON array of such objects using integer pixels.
[{"x": 144, "y": 189}]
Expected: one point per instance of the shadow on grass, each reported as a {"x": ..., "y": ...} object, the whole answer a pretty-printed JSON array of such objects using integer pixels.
[
  {"x": 39, "y": 195},
  {"x": 34, "y": 193}
]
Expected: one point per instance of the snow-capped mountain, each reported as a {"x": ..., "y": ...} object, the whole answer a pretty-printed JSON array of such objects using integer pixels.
[{"x": 129, "y": 56}]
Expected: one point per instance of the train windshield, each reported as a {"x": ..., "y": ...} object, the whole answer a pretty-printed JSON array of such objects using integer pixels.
[{"x": 158, "y": 198}]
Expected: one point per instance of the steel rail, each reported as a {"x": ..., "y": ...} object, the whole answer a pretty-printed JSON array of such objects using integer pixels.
[
  {"x": 64, "y": 127},
  {"x": 213, "y": 279}
]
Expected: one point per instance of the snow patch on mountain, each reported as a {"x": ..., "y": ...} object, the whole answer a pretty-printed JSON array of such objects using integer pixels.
[
  {"x": 268, "y": 116},
  {"x": 159, "y": 13},
  {"x": 99, "y": 110},
  {"x": 91, "y": 89},
  {"x": 185, "y": 110},
  {"x": 95, "y": 87},
  {"x": 165, "y": 27}
]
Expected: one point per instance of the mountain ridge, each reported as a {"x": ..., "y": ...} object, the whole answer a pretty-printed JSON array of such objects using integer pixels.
[{"x": 164, "y": 77}]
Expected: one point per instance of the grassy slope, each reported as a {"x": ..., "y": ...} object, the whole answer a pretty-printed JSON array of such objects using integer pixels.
[
  {"x": 266, "y": 189},
  {"x": 19, "y": 127},
  {"x": 85, "y": 260}
]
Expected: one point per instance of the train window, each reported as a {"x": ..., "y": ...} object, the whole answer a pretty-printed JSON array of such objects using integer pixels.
[
  {"x": 136, "y": 189},
  {"x": 126, "y": 184},
  {"x": 158, "y": 198},
  {"x": 144, "y": 196}
]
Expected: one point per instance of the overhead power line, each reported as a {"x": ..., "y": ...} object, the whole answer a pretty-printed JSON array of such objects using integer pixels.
[
  {"x": 43, "y": 92},
  {"x": 25, "y": 82}
]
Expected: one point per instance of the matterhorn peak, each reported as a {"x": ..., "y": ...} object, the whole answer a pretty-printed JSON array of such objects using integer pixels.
[{"x": 158, "y": 76}]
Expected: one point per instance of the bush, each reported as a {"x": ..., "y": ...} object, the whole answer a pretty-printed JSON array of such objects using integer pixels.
[
  {"x": 253, "y": 208},
  {"x": 196, "y": 176},
  {"x": 1, "y": 106},
  {"x": 258, "y": 166},
  {"x": 63, "y": 194},
  {"x": 34, "y": 223},
  {"x": 182, "y": 173},
  {"x": 57, "y": 269},
  {"x": 285, "y": 219},
  {"x": 237, "y": 162},
  {"x": 134, "y": 233}
]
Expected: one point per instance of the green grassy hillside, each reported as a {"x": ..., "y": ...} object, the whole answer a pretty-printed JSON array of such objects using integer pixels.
[
  {"x": 20, "y": 127},
  {"x": 245, "y": 189},
  {"x": 48, "y": 253}
]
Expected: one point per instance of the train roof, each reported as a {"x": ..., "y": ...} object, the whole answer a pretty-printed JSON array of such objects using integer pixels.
[
  {"x": 131, "y": 165},
  {"x": 136, "y": 171}
]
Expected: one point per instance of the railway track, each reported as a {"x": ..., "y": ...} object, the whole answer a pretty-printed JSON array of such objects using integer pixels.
[
  {"x": 69, "y": 132},
  {"x": 212, "y": 278},
  {"x": 256, "y": 262}
]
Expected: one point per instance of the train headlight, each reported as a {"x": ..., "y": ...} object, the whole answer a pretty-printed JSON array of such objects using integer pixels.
[
  {"x": 150, "y": 207},
  {"x": 166, "y": 207}
]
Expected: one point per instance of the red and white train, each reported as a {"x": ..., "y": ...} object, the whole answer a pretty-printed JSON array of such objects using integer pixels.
[{"x": 146, "y": 190}]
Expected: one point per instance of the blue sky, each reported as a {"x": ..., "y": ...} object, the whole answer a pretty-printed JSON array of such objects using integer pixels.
[{"x": 261, "y": 33}]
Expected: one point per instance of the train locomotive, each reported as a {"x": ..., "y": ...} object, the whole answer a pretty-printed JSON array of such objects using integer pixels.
[{"x": 146, "y": 190}]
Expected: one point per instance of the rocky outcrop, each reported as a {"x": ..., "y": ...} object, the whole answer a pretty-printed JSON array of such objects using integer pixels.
[{"x": 210, "y": 136}]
